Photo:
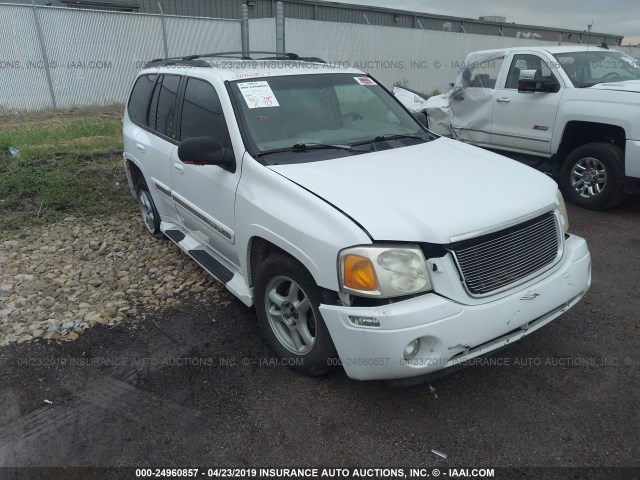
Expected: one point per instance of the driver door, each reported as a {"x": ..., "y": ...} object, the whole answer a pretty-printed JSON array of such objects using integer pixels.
[{"x": 524, "y": 121}]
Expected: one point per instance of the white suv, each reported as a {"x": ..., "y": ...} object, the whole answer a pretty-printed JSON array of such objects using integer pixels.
[{"x": 361, "y": 238}]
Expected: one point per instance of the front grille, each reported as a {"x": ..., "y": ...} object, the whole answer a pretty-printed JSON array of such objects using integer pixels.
[{"x": 495, "y": 261}]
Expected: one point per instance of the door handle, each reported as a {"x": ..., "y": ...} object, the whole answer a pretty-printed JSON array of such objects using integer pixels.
[
  {"x": 179, "y": 168},
  {"x": 503, "y": 100},
  {"x": 140, "y": 147}
]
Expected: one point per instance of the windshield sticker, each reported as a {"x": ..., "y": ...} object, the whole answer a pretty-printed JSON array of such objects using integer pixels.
[
  {"x": 364, "y": 81},
  {"x": 258, "y": 94},
  {"x": 242, "y": 76}
]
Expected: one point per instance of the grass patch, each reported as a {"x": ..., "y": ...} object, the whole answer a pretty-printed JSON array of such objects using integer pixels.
[{"x": 70, "y": 163}]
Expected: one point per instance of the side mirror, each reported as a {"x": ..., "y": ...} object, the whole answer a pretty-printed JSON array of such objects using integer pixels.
[
  {"x": 530, "y": 86},
  {"x": 204, "y": 151},
  {"x": 527, "y": 83},
  {"x": 457, "y": 94},
  {"x": 422, "y": 118}
]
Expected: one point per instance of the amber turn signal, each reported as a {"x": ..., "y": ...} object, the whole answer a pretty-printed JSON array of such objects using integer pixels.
[{"x": 358, "y": 273}]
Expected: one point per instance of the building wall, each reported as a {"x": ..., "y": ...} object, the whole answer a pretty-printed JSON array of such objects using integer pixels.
[{"x": 424, "y": 60}]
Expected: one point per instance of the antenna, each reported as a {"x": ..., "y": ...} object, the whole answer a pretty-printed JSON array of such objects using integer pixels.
[{"x": 586, "y": 54}]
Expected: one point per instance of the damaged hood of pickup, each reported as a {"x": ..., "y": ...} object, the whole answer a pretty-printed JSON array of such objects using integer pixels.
[{"x": 431, "y": 192}]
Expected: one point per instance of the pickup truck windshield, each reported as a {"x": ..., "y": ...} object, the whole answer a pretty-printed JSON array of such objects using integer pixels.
[
  {"x": 586, "y": 69},
  {"x": 281, "y": 114}
]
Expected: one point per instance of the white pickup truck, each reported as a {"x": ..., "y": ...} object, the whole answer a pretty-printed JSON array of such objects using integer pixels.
[{"x": 573, "y": 111}]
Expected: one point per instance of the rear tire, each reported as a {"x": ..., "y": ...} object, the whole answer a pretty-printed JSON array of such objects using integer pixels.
[
  {"x": 148, "y": 211},
  {"x": 287, "y": 300},
  {"x": 592, "y": 176}
]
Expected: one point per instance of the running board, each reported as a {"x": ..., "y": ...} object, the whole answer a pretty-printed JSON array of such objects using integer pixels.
[
  {"x": 213, "y": 266},
  {"x": 234, "y": 281},
  {"x": 175, "y": 235}
]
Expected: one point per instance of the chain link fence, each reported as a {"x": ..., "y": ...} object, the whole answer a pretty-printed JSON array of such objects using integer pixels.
[
  {"x": 52, "y": 56},
  {"x": 64, "y": 57}
]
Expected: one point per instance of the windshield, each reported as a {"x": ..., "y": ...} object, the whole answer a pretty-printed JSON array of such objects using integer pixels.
[
  {"x": 323, "y": 110},
  {"x": 590, "y": 68}
]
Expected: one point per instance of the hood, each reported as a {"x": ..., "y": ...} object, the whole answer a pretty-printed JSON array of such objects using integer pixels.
[
  {"x": 626, "y": 86},
  {"x": 429, "y": 192}
]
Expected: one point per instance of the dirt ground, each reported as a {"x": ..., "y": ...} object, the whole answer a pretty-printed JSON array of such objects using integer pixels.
[{"x": 196, "y": 385}]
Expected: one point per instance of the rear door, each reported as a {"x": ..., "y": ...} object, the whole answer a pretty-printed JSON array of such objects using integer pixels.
[
  {"x": 204, "y": 195},
  {"x": 524, "y": 121},
  {"x": 153, "y": 149}
]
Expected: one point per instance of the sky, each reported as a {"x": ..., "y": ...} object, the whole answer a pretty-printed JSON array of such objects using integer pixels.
[{"x": 617, "y": 17}]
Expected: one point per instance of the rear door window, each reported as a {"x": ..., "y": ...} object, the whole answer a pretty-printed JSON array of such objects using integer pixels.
[{"x": 165, "y": 113}]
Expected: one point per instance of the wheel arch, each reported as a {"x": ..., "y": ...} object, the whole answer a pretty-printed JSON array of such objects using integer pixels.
[
  {"x": 259, "y": 248},
  {"x": 577, "y": 133},
  {"x": 134, "y": 174}
]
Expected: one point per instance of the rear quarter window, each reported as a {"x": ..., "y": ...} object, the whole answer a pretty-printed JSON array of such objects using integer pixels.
[{"x": 139, "y": 99}]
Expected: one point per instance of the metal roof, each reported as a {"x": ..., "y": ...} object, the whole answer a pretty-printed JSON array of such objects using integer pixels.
[{"x": 343, "y": 13}]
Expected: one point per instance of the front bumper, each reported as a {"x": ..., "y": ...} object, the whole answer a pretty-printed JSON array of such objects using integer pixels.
[
  {"x": 451, "y": 333},
  {"x": 632, "y": 158}
]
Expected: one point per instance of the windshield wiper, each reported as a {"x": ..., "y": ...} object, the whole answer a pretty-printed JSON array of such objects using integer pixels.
[
  {"x": 390, "y": 136},
  {"x": 303, "y": 147}
]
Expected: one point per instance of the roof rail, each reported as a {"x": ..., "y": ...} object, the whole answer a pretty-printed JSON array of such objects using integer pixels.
[
  {"x": 195, "y": 60},
  {"x": 161, "y": 62},
  {"x": 298, "y": 59}
]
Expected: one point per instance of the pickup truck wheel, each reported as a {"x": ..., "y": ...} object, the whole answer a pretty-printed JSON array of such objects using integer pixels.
[
  {"x": 592, "y": 176},
  {"x": 287, "y": 301},
  {"x": 148, "y": 211}
]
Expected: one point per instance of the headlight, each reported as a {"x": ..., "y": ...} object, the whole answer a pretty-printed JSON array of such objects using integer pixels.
[
  {"x": 562, "y": 208},
  {"x": 383, "y": 271}
]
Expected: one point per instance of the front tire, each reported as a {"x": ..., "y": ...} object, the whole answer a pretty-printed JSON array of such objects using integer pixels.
[
  {"x": 287, "y": 300},
  {"x": 592, "y": 176}
]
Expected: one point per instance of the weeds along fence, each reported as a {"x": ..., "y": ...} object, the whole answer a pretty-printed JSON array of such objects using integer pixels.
[{"x": 52, "y": 56}]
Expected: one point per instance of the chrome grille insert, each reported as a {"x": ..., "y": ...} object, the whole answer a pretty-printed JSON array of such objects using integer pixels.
[{"x": 495, "y": 262}]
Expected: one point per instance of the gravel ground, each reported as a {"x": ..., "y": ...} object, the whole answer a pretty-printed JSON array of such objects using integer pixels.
[
  {"x": 58, "y": 281},
  {"x": 193, "y": 384}
]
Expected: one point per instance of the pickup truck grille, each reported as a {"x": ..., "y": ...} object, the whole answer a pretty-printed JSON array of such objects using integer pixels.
[{"x": 499, "y": 260}]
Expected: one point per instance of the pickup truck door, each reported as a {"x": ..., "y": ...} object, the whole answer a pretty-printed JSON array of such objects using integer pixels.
[
  {"x": 523, "y": 121},
  {"x": 472, "y": 102},
  {"x": 204, "y": 195}
]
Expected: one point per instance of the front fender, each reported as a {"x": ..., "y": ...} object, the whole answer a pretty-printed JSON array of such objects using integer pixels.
[{"x": 306, "y": 227}]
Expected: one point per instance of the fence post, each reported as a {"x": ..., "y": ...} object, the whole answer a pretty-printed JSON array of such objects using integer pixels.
[
  {"x": 45, "y": 58},
  {"x": 244, "y": 31},
  {"x": 164, "y": 31},
  {"x": 279, "y": 27}
]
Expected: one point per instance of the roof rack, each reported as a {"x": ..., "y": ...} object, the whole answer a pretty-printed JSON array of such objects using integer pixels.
[{"x": 195, "y": 60}]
